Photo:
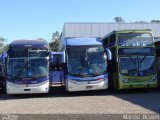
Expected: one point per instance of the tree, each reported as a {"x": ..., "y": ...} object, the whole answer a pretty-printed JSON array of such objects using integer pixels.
[
  {"x": 55, "y": 36},
  {"x": 2, "y": 42},
  {"x": 4, "y": 49},
  {"x": 155, "y": 21},
  {"x": 119, "y": 20},
  {"x": 6, "y": 46},
  {"x": 140, "y": 22},
  {"x": 54, "y": 44},
  {"x": 3, "y": 45}
]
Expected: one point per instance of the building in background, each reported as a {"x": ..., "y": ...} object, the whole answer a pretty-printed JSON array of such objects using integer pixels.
[{"x": 99, "y": 30}]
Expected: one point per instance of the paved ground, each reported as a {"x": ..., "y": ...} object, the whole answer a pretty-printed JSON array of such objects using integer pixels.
[{"x": 94, "y": 102}]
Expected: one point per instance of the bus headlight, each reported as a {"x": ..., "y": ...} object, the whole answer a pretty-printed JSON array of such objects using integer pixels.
[
  {"x": 153, "y": 79},
  {"x": 125, "y": 80},
  {"x": 72, "y": 81},
  {"x": 105, "y": 78},
  {"x": 10, "y": 83}
]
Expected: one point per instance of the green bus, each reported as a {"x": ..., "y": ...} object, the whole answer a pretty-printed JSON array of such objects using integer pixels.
[
  {"x": 157, "y": 44},
  {"x": 133, "y": 63}
]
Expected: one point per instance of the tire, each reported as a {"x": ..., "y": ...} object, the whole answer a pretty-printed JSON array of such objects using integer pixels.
[
  {"x": 110, "y": 81},
  {"x": 4, "y": 87}
]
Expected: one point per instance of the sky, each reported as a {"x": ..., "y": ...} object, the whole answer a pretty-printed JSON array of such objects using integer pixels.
[{"x": 32, "y": 19}]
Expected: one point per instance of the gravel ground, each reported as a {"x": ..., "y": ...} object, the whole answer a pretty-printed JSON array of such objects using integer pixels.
[{"x": 93, "y": 102}]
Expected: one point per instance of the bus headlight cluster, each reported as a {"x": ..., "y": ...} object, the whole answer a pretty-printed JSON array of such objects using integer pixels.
[
  {"x": 72, "y": 81},
  {"x": 105, "y": 79},
  {"x": 10, "y": 83},
  {"x": 44, "y": 82},
  {"x": 125, "y": 80}
]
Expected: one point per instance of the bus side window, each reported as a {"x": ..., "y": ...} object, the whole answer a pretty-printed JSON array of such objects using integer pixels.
[
  {"x": 105, "y": 42},
  {"x": 112, "y": 40}
]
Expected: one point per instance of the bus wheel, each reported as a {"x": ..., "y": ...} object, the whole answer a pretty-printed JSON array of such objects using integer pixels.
[
  {"x": 111, "y": 83},
  {"x": 4, "y": 88},
  {"x": 111, "y": 86}
]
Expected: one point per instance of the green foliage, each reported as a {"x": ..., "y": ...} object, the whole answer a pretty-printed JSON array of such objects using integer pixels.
[
  {"x": 3, "y": 45},
  {"x": 119, "y": 20},
  {"x": 155, "y": 21},
  {"x": 4, "y": 48},
  {"x": 55, "y": 36},
  {"x": 54, "y": 44}
]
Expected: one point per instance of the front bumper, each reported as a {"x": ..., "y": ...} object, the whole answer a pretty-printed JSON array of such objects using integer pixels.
[
  {"x": 79, "y": 86},
  {"x": 27, "y": 89}
]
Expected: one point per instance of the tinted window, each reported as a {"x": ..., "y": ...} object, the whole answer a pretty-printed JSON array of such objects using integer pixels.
[
  {"x": 136, "y": 51},
  {"x": 112, "y": 40},
  {"x": 57, "y": 59},
  {"x": 86, "y": 61},
  {"x": 105, "y": 42},
  {"x": 135, "y": 39},
  {"x": 137, "y": 65},
  {"x": 15, "y": 52}
]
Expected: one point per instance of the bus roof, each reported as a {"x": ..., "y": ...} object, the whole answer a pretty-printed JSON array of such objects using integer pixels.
[
  {"x": 83, "y": 41},
  {"x": 126, "y": 31},
  {"x": 29, "y": 42}
]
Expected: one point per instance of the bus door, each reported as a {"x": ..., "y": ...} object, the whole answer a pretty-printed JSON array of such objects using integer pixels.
[{"x": 56, "y": 70}]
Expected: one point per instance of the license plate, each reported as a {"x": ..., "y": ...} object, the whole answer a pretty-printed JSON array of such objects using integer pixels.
[{"x": 89, "y": 87}]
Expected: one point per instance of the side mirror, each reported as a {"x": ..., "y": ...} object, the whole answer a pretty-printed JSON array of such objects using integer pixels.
[
  {"x": 63, "y": 57},
  {"x": 3, "y": 57},
  {"x": 51, "y": 56},
  {"x": 109, "y": 54}
]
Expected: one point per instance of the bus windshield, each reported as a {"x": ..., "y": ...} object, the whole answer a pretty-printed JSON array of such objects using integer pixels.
[
  {"x": 137, "y": 65},
  {"x": 129, "y": 69},
  {"x": 37, "y": 67},
  {"x": 27, "y": 62},
  {"x": 135, "y": 39},
  {"x": 147, "y": 65},
  {"x": 17, "y": 67},
  {"x": 86, "y": 61}
]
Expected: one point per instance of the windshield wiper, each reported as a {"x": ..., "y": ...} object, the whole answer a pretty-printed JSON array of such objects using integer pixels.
[
  {"x": 78, "y": 75},
  {"x": 73, "y": 74},
  {"x": 92, "y": 75},
  {"x": 97, "y": 74},
  {"x": 131, "y": 59},
  {"x": 13, "y": 77}
]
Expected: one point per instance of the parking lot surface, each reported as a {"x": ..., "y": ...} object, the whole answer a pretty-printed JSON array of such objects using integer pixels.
[{"x": 141, "y": 101}]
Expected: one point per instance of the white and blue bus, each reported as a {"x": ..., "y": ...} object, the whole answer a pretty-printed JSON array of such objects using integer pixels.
[
  {"x": 86, "y": 66},
  {"x": 57, "y": 64},
  {"x": 27, "y": 67}
]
